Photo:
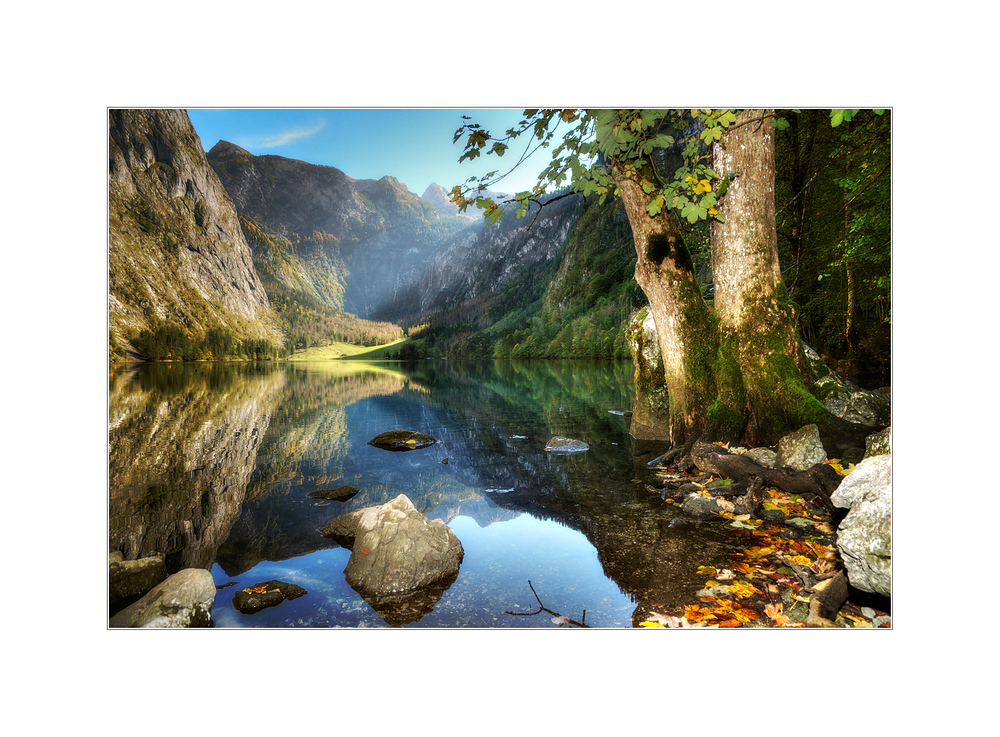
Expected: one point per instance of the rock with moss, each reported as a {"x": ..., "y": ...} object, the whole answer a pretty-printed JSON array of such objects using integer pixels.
[{"x": 879, "y": 443}]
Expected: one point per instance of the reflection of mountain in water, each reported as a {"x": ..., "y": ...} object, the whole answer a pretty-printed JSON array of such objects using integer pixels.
[
  {"x": 482, "y": 510},
  {"x": 182, "y": 445},
  {"x": 305, "y": 449}
]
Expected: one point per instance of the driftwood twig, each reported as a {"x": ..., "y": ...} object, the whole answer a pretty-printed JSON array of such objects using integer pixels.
[{"x": 543, "y": 608}]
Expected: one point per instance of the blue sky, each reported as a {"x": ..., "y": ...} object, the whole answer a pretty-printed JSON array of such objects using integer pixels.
[{"x": 413, "y": 145}]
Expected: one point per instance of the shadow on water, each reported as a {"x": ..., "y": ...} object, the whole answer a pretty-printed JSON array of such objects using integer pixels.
[{"x": 212, "y": 465}]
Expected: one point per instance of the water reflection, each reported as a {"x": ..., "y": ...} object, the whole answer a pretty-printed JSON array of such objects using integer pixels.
[{"x": 213, "y": 464}]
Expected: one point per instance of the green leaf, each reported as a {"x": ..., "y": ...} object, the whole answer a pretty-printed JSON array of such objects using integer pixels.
[
  {"x": 711, "y": 134},
  {"x": 779, "y": 124},
  {"x": 691, "y": 212}
]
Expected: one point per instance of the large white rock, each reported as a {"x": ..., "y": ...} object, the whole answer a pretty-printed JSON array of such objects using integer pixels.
[
  {"x": 395, "y": 549},
  {"x": 865, "y": 535}
]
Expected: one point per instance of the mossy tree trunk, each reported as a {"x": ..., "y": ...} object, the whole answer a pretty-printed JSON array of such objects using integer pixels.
[
  {"x": 685, "y": 330},
  {"x": 761, "y": 365}
]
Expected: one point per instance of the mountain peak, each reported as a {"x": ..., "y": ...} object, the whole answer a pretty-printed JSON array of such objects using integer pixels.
[{"x": 227, "y": 150}]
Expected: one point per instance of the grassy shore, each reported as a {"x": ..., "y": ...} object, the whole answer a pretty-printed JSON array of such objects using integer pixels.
[{"x": 337, "y": 351}]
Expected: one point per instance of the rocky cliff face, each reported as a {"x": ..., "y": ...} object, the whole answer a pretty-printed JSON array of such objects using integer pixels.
[
  {"x": 479, "y": 262},
  {"x": 176, "y": 249}
]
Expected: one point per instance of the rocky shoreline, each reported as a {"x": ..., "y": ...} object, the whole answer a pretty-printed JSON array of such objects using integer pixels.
[{"x": 801, "y": 563}]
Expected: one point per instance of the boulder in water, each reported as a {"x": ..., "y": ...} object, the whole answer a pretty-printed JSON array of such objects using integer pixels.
[
  {"x": 395, "y": 549},
  {"x": 560, "y": 444}
]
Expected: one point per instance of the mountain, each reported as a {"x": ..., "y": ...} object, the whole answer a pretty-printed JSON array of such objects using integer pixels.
[
  {"x": 177, "y": 253},
  {"x": 377, "y": 233},
  {"x": 477, "y": 265}
]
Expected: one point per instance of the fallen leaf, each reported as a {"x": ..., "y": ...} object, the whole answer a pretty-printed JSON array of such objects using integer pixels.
[
  {"x": 743, "y": 589},
  {"x": 773, "y": 611}
]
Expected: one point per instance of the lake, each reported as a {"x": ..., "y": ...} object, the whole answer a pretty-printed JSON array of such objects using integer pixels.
[{"x": 212, "y": 464}]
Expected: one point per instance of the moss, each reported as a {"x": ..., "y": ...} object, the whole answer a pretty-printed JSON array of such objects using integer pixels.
[{"x": 777, "y": 398}]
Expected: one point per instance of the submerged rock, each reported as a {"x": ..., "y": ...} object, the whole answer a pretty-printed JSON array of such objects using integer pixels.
[
  {"x": 340, "y": 494},
  {"x": 182, "y": 600},
  {"x": 402, "y": 440},
  {"x": 566, "y": 445},
  {"x": 263, "y": 595}
]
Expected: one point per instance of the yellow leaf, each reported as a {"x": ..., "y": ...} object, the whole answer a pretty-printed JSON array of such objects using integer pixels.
[
  {"x": 743, "y": 589},
  {"x": 652, "y": 624}
]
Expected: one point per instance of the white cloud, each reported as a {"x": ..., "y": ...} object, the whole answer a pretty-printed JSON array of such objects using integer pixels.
[{"x": 285, "y": 137}]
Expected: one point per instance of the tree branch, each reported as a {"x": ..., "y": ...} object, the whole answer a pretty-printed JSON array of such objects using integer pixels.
[{"x": 543, "y": 608}]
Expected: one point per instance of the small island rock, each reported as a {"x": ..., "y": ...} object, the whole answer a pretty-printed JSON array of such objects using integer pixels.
[
  {"x": 263, "y": 595},
  {"x": 402, "y": 440}
]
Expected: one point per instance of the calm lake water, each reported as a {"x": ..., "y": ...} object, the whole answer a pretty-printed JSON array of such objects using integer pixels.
[{"x": 212, "y": 465}]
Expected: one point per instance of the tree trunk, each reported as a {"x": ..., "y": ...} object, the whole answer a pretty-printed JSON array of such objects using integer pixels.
[
  {"x": 761, "y": 365},
  {"x": 684, "y": 327}
]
